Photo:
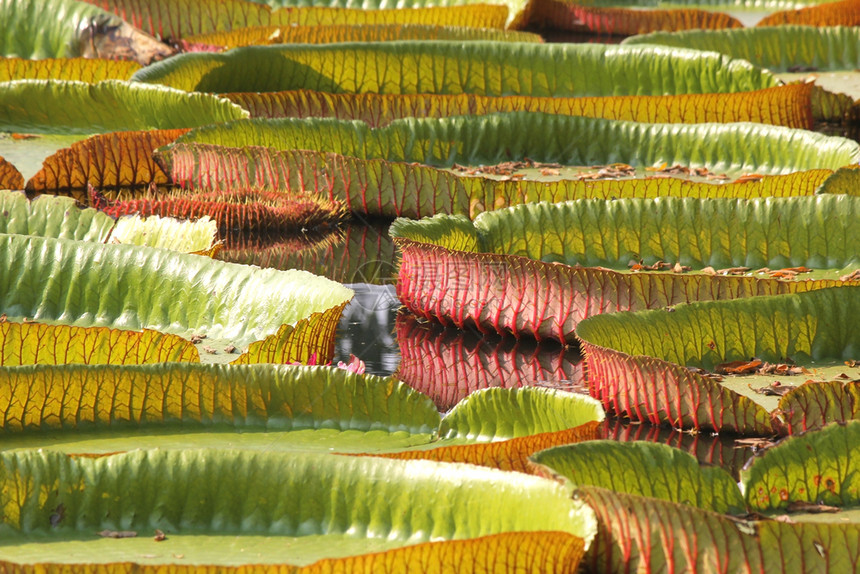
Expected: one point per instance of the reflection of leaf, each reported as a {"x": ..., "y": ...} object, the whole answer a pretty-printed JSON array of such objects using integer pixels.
[
  {"x": 450, "y": 364},
  {"x": 781, "y": 105},
  {"x": 570, "y": 14},
  {"x": 112, "y": 160},
  {"x": 816, "y": 467},
  {"x": 320, "y": 34},
  {"x": 57, "y": 106},
  {"x": 486, "y": 68}
]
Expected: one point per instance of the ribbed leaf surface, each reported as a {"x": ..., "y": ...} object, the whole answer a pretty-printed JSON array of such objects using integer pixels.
[
  {"x": 490, "y": 16},
  {"x": 10, "y": 177},
  {"x": 509, "y": 425},
  {"x": 380, "y": 187},
  {"x": 47, "y": 29},
  {"x": 636, "y": 369},
  {"x": 844, "y": 13},
  {"x": 56, "y": 106},
  {"x": 285, "y": 497},
  {"x": 571, "y": 15},
  {"x": 449, "y": 364},
  {"x": 517, "y": 10},
  {"x": 239, "y": 211},
  {"x": 112, "y": 160},
  {"x": 88, "y": 70},
  {"x": 813, "y": 406},
  {"x": 270, "y": 397},
  {"x": 50, "y": 216},
  {"x": 176, "y": 19},
  {"x": 494, "y": 138},
  {"x": 167, "y": 233},
  {"x": 40, "y": 344},
  {"x": 486, "y": 68},
  {"x": 644, "y": 469},
  {"x": 650, "y": 535},
  {"x": 777, "y": 48},
  {"x": 321, "y": 34},
  {"x": 818, "y": 467},
  {"x": 87, "y": 284},
  {"x": 817, "y": 232},
  {"x": 788, "y": 106},
  {"x": 504, "y": 294}
]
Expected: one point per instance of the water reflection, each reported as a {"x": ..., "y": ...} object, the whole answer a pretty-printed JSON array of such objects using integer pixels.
[
  {"x": 719, "y": 450},
  {"x": 447, "y": 364},
  {"x": 367, "y": 326},
  {"x": 353, "y": 253}
]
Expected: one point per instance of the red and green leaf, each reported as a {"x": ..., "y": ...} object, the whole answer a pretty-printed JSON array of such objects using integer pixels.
[
  {"x": 843, "y": 13},
  {"x": 88, "y": 70}
]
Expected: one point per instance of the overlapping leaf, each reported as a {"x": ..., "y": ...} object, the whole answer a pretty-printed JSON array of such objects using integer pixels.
[
  {"x": 320, "y": 34},
  {"x": 40, "y": 344},
  {"x": 507, "y": 277},
  {"x": 380, "y": 187},
  {"x": 650, "y": 535},
  {"x": 10, "y": 177},
  {"x": 176, "y": 19},
  {"x": 50, "y": 216},
  {"x": 88, "y": 284},
  {"x": 642, "y": 372},
  {"x": 489, "y": 16},
  {"x": 197, "y": 236},
  {"x": 788, "y": 106},
  {"x": 113, "y": 160},
  {"x": 279, "y": 500},
  {"x": 88, "y": 70},
  {"x": 494, "y": 138},
  {"x": 448, "y": 364},
  {"x": 843, "y": 13},
  {"x": 54, "y": 106},
  {"x": 644, "y": 469},
  {"x": 67, "y": 29},
  {"x": 816, "y": 468},
  {"x": 778, "y": 48},
  {"x": 490, "y": 69},
  {"x": 573, "y": 15}
]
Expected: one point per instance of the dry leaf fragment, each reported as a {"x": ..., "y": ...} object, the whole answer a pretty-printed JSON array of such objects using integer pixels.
[
  {"x": 210, "y": 350},
  {"x": 775, "y": 389},
  {"x": 755, "y": 444},
  {"x": 733, "y": 271},
  {"x": 159, "y": 536},
  {"x": 811, "y": 507},
  {"x": 197, "y": 339},
  {"x": 117, "y": 534},
  {"x": 853, "y": 276},
  {"x": 229, "y": 349},
  {"x": 738, "y": 367}
]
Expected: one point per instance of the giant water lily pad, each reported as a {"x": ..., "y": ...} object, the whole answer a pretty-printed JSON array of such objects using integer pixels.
[
  {"x": 399, "y": 189},
  {"x": 281, "y": 506},
  {"x": 70, "y": 107},
  {"x": 487, "y": 68},
  {"x": 110, "y": 408},
  {"x": 87, "y": 284},
  {"x": 637, "y": 363},
  {"x": 541, "y": 268},
  {"x": 578, "y": 141}
]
